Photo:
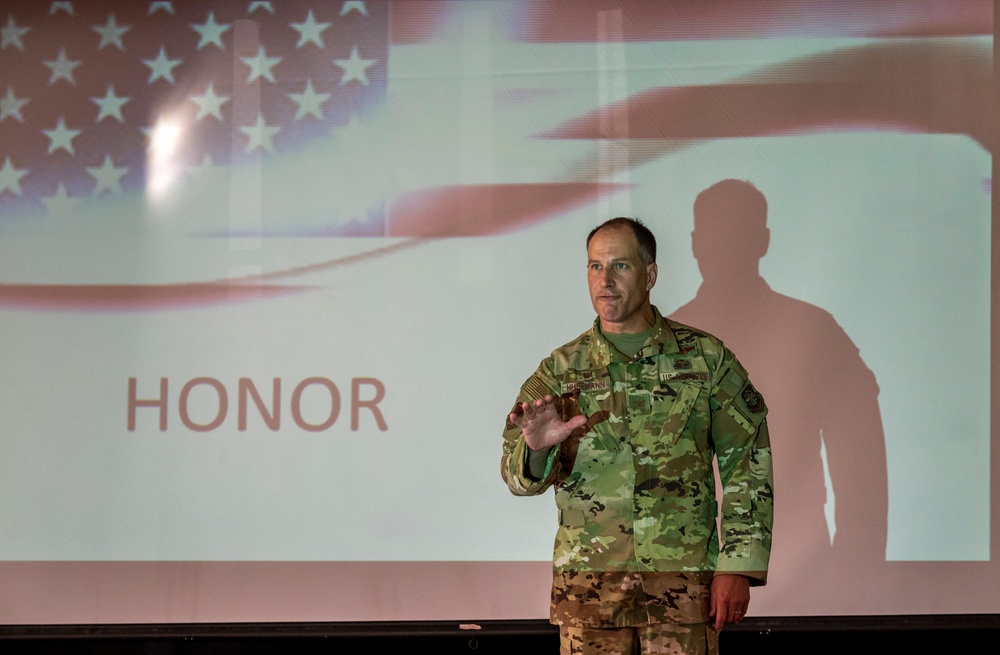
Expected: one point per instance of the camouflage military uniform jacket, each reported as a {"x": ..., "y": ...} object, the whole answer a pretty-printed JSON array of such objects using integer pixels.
[{"x": 638, "y": 541}]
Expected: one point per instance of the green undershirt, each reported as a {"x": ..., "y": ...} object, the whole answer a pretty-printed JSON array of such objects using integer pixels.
[{"x": 628, "y": 344}]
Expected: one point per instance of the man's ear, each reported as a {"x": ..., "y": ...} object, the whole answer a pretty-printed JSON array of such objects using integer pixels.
[{"x": 651, "y": 272}]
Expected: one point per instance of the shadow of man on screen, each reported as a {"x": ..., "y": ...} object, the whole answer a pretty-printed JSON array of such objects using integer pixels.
[{"x": 821, "y": 396}]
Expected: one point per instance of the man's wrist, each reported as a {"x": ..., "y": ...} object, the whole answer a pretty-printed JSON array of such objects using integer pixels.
[{"x": 537, "y": 460}]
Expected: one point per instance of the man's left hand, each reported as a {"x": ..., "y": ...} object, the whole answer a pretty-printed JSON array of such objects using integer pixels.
[{"x": 729, "y": 599}]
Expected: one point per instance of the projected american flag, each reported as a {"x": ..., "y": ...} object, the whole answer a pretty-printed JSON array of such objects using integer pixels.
[{"x": 100, "y": 99}]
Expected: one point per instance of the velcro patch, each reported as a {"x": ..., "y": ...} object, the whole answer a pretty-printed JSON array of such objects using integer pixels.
[
  {"x": 586, "y": 385},
  {"x": 686, "y": 375},
  {"x": 754, "y": 401}
]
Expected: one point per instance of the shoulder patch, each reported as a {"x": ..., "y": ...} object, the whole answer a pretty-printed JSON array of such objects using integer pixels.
[
  {"x": 754, "y": 401},
  {"x": 534, "y": 389}
]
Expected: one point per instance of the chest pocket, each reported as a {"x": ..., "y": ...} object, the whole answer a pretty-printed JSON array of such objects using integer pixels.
[
  {"x": 604, "y": 418},
  {"x": 672, "y": 407}
]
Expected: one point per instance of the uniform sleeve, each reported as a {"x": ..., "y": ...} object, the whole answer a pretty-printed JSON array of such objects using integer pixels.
[
  {"x": 514, "y": 461},
  {"x": 743, "y": 450}
]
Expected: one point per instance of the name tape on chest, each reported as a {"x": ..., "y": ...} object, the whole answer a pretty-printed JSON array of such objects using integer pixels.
[
  {"x": 679, "y": 376},
  {"x": 586, "y": 385}
]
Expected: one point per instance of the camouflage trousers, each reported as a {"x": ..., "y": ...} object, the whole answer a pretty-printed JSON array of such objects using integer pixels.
[{"x": 671, "y": 638}]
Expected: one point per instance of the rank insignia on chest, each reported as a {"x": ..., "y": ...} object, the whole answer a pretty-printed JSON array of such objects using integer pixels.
[{"x": 639, "y": 402}]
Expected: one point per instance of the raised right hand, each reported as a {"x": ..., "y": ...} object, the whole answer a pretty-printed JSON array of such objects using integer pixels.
[{"x": 541, "y": 424}]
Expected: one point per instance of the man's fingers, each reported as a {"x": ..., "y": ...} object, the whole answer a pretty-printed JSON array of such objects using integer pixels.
[
  {"x": 531, "y": 410},
  {"x": 526, "y": 413},
  {"x": 541, "y": 423},
  {"x": 718, "y": 617},
  {"x": 544, "y": 403},
  {"x": 731, "y": 615},
  {"x": 726, "y": 613}
]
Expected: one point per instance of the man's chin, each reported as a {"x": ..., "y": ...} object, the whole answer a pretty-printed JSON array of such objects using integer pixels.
[
  {"x": 607, "y": 308},
  {"x": 609, "y": 318}
]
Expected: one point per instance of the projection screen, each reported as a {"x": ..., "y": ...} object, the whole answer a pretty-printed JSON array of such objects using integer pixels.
[{"x": 272, "y": 274}]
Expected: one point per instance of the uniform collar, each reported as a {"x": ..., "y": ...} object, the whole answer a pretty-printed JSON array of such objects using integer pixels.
[{"x": 660, "y": 341}]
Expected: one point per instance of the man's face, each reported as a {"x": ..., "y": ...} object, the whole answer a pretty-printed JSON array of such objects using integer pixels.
[{"x": 619, "y": 281}]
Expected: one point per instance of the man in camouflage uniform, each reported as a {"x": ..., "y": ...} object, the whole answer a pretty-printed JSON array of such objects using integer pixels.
[{"x": 625, "y": 422}]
